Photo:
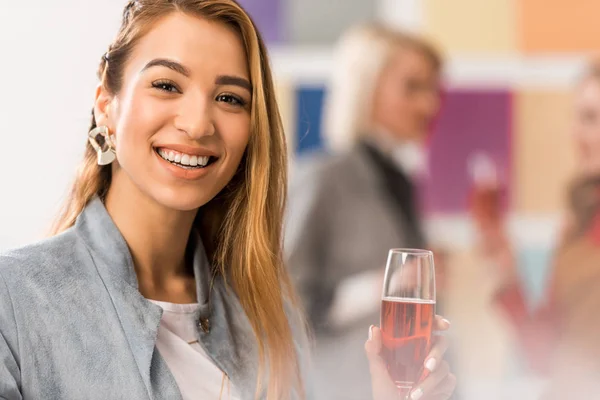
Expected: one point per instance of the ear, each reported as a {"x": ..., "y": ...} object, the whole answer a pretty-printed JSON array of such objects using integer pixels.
[{"x": 102, "y": 106}]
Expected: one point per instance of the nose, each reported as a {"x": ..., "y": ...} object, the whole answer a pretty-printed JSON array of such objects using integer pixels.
[{"x": 195, "y": 117}]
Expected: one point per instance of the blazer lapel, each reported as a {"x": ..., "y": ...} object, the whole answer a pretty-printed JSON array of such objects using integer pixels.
[
  {"x": 139, "y": 318},
  {"x": 223, "y": 327}
]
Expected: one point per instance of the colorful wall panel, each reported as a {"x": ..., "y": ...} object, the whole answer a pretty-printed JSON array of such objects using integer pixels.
[
  {"x": 543, "y": 150},
  {"x": 470, "y": 122},
  {"x": 472, "y": 26},
  {"x": 552, "y": 26},
  {"x": 309, "y": 104},
  {"x": 268, "y": 16}
]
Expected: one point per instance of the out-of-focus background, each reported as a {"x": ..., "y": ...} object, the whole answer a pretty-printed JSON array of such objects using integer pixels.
[{"x": 511, "y": 68}]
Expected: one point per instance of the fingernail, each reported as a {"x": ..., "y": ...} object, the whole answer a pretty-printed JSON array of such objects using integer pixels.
[
  {"x": 371, "y": 332},
  {"x": 431, "y": 364},
  {"x": 446, "y": 321},
  {"x": 417, "y": 394}
]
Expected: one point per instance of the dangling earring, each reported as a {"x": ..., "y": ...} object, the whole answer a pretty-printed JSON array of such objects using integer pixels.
[{"x": 101, "y": 141}]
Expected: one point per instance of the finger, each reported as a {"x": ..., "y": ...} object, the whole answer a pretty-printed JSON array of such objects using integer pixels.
[
  {"x": 373, "y": 348},
  {"x": 436, "y": 355},
  {"x": 429, "y": 386},
  {"x": 444, "y": 390},
  {"x": 441, "y": 323},
  {"x": 383, "y": 386}
]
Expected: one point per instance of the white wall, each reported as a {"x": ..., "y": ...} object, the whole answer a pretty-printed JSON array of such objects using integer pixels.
[{"x": 49, "y": 52}]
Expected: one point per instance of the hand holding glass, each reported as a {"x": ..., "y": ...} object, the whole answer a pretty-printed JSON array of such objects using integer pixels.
[{"x": 407, "y": 314}]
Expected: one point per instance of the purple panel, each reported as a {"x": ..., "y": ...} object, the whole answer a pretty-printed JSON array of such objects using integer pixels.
[
  {"x": 470, "y": 121},
  {"x": 267, "y": 16}
]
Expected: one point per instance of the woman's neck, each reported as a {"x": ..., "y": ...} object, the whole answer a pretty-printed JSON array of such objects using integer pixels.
[{"x": 157, "y": 238}]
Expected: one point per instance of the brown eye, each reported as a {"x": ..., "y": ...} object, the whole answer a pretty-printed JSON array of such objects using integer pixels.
[
  {"x": 166, "y": 86},
  {"x": 231, "y": 99}
]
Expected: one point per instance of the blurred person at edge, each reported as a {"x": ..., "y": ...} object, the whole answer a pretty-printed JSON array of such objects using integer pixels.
[
  {"x": 560, "y": 338},
  {"x": 348, "y": 208}
]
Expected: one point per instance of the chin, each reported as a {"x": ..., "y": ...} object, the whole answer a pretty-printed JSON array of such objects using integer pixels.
[{"x": 179, "y": 200}]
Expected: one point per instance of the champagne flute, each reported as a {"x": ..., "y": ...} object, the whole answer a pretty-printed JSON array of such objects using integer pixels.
[
  {"x": 407, "y": 315},
  {"x": 486, "y": 192}
]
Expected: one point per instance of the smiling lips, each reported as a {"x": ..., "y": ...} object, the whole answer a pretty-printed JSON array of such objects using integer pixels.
[{"x": 183, "y": 160}]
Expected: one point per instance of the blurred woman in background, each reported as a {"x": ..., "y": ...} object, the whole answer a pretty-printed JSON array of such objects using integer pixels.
[
  {"x": 560, "y": 338},
  {"x": 349, "y": 207}
]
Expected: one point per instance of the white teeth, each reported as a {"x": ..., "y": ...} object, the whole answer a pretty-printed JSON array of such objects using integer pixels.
[
  {"x": 184, "y": 159},
  {"x": 202, "y": 161}
]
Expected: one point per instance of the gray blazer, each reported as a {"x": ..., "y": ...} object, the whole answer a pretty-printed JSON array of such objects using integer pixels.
[
  {"x": 341, "y": 221},
  {"x": 73, "y": 324}
]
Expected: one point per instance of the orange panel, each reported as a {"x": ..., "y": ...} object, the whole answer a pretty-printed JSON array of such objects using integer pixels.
[
  {"x": 559, "y": 25},
  {"x": 543, "y": 151}
]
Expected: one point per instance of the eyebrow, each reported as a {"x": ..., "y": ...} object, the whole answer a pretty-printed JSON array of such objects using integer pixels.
[
  {"x": 177, "y": 67},
  {"x": 173, "y": 65},
  {"x": 234, "y": 80}
]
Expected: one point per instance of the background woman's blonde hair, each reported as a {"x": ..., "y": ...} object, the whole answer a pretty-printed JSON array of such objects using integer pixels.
[
  {"x": 362, "y": 54},
  {"x": 242, "y": 226}
]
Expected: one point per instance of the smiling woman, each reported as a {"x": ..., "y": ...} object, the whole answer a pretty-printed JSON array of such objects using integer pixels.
[{"x": 164, "y": 277}]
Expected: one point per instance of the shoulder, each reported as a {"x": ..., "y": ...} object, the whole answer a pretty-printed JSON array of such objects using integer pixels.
[
  {"x": 29, "y": 277},
  {"x": 309, "y": 167},
  {"x": 324, "y": 171},
  {"x": 40, "y": 260}
]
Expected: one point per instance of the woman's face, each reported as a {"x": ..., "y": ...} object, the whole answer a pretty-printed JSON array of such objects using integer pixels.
[
  {"x": 182, "y": 117},
  {"x": 587, "y": 125},
  {"x": 407, "y": 96}
]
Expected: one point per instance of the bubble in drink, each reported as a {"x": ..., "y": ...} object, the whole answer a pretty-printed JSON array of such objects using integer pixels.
[{"x": 406, "y": 326}]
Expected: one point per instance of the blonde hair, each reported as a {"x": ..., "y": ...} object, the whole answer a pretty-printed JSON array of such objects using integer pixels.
[
  {"x": 362, "y": 54},
  {"x": 242, "y": 225}
]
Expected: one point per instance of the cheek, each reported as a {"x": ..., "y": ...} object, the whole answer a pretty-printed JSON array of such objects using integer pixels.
[
  {"x": 235, "y": 133},
  {"x": 139, "y": 120},
  {"x": 397, "y": 102},
  {"x": 398, "y": 110},
  {"x": 386, "y": 103}
]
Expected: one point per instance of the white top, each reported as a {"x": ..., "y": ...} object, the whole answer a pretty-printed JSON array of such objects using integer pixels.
[{"x": 197, "y": 376}]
